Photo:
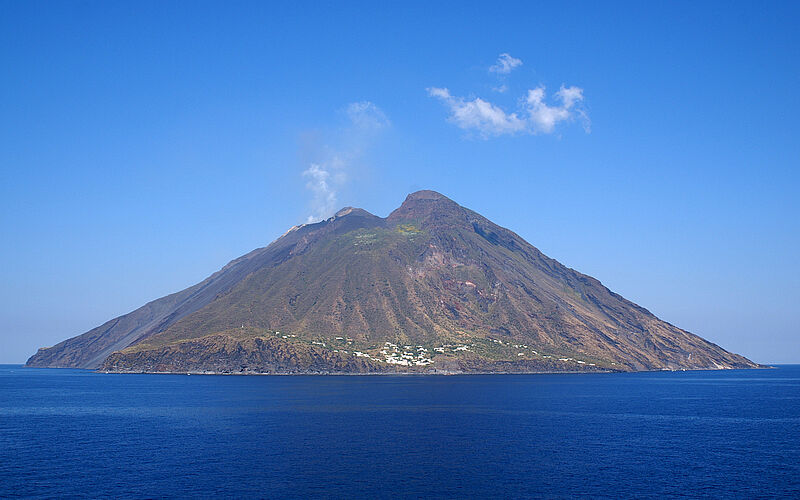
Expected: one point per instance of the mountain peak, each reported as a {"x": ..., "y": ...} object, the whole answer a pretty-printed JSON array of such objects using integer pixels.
[
  {"x": 426, "y": 194},
  {"x": 425, "y": 204},
  {"x": 352, "y": 210}
]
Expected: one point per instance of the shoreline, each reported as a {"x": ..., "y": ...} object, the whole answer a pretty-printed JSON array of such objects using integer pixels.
[
  {"x": 438, "y": 373},
  {"x": 421, "y": 373}
]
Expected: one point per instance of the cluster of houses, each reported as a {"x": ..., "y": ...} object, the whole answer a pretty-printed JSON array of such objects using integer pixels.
[
  {"x": 283, "y": 336},
  {"x": 525, "y": 346},
  {"x": 407, "y": 356}
]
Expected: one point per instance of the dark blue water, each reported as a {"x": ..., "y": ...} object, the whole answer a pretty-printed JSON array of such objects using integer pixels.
[{"x": 697, "y": 434}]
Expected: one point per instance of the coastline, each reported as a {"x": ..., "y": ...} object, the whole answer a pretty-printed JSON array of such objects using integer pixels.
[{"x": 432, "y": 373}]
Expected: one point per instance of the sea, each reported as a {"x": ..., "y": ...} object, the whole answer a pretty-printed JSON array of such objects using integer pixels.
[{"x": 696, "y": 434}]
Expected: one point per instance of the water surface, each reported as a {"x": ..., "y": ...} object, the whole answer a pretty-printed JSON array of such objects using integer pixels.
[{"x": 698, "y": 434}]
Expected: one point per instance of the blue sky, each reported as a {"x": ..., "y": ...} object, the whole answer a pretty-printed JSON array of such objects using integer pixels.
[{"x": 144, "y": 145}]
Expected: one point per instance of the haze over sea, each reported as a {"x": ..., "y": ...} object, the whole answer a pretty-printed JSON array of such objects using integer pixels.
[{"x": 700, "y": 434}]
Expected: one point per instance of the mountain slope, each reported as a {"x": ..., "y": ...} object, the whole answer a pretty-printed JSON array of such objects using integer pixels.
[
  {"x": 432, "y": 287},
  {"x": 93, "y": 347}
]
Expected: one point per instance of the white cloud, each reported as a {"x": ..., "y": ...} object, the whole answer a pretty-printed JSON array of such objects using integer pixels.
[
  {"x": 500, "y": 88},
  {"x": 329, "y": 171},
  {"x": 543, "y": 118},
  {"x": 574, "y": 95},
  {"x": 505, "y": 63},
  {"x": 324, "y": 195},
  {"x": 366, "y": 116},
  {"x": 477, "y": 114},
  {"x": 570, "y": 95},
  {"x": 535, "y": 115}
]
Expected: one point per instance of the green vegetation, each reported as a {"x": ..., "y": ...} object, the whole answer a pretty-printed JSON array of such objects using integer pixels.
[{"x": 408, "y": 229}]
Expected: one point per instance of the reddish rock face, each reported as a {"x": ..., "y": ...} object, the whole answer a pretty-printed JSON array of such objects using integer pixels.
[{"x": 449, "y": 289}]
